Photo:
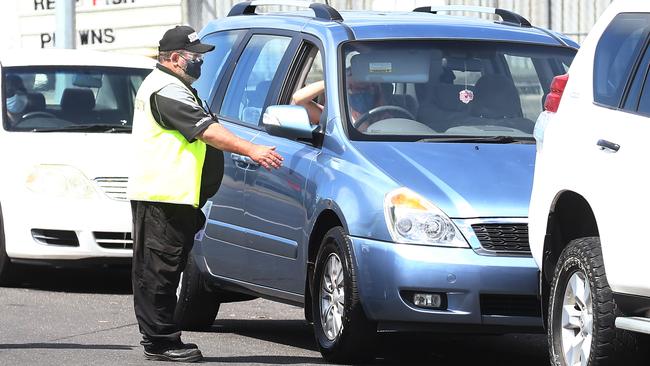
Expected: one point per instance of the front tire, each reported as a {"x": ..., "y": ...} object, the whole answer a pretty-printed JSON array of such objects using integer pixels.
[
  {"x": 197, "y": 307},
  {"x": 343, "y": 333},
  {"x": 582, "y": 311}
]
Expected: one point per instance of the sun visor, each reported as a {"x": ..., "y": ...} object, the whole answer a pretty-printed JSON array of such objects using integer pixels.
[{"x": 391, "y": 67}]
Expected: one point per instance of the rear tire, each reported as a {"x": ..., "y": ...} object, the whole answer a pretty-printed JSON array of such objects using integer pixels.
[
  {"x": 343, "y": 333},
  {"x": 582, "y": 311},
  {"x": 196, "y": 307}
]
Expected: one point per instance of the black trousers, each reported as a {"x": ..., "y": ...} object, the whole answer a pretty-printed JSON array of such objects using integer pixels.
[{"x": 163, "y": 235}]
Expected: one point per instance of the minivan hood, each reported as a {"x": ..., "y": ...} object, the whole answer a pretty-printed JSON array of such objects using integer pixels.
[{"x": 465, "y": 180}]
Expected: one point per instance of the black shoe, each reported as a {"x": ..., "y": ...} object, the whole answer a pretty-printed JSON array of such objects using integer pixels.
[
  {"x": 182, "y": 345},
  {"x": 173, "y": 353}
]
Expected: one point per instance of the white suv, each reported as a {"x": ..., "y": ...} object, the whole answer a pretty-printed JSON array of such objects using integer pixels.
[{"x": 590, "y": 194}]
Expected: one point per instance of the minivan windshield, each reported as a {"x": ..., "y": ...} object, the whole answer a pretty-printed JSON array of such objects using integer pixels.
[
  {"x": 71, "y": 99},
  {"x": 433, "y": 90}
]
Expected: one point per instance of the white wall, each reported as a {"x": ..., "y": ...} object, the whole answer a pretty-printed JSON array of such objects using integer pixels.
[
  {"x": 130, "y": 26},
  {"x": 9, "y": 38}
]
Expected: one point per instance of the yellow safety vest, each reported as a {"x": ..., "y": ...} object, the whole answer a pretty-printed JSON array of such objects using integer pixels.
[{"x": 165, "y": 167}]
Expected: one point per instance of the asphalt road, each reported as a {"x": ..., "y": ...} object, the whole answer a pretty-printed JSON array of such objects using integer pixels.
[{"x": 74, "y": 317}]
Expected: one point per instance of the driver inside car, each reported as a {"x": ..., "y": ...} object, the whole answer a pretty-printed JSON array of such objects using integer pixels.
[
  {"x": 16, "y": 95},
  {"x": 362, "y": 98}
]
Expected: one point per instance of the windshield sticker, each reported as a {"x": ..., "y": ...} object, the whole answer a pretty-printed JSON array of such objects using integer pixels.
[
  {"x": 466, "y": 96},
  {"x": 380, "y": 67}
]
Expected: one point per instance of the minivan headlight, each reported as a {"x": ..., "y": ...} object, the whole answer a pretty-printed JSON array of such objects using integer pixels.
[
  {"x": 411, "y": 219},
  {"x": 61, "y": 181}
]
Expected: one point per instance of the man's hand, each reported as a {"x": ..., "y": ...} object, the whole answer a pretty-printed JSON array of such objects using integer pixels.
[
  {"x": 266, "y": 156},
  {"x": 218, "y": 136}
]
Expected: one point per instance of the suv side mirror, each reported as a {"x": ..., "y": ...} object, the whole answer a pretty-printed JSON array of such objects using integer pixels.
[{"x": 290, "y": 121}]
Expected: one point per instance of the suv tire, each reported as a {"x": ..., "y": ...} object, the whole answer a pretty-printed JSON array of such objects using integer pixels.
[
  {"x": 197, "y": 307},
  {"x": 343, "y": 333},
  {"x": 580, "y": 280}
]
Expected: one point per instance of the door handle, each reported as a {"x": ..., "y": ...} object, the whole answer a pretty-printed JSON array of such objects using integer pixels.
[
  {"x": 243, "y": 160},
  {"x": 608, "y": 145}
]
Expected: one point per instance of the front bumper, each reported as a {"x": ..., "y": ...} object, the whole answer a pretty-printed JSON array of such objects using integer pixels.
[
  {"x": 495, "y": 292},
  {"x": 89, "y": 228}
]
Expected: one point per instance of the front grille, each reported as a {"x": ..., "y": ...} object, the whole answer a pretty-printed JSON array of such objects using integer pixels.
[
  {"x": 56, "y": 237},
  {"x": 503, "y": 238},
  {"x": 113, "y": 187},
  {"x": 112, "y": 240},
  {"x": 510, "y": 305}
]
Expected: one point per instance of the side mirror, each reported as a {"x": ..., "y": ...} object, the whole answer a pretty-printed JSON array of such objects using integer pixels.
[{"x": 290, "y": 121}]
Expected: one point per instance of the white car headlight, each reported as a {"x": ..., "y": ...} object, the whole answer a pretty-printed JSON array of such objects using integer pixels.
[
  {"x": 411, "y": 219},
  {"x": 61, "y": 181}
]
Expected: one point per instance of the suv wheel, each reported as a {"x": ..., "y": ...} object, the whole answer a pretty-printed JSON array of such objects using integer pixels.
[
  {"x": 343, "y": 333},
  {"x": 197, "y": 307},
  {"x": 582, "y": 310}
]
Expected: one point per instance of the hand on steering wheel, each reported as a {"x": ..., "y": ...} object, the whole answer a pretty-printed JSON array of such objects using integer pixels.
[{"x": 381, "y": 109}]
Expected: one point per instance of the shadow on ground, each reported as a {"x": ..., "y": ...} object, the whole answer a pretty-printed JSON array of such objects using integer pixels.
[
  {"x": 113, "y": 280},
  {"x": 394, "y": 349}
]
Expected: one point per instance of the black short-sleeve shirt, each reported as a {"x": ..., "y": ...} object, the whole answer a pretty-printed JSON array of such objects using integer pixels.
[{"x": 173, "y": 107}]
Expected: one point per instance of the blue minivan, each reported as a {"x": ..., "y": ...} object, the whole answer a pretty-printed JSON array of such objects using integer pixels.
[{"x": 404, "y": 210}]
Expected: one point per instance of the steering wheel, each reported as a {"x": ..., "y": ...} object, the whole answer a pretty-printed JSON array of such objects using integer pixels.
[
  {"x": 381, "y": 109},
  {"x": 37, "y": 114}
]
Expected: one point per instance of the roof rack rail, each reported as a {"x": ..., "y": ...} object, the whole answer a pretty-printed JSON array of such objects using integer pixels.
[
  {"x": 322, "y": 11},
  {"x": 506, "y": 15}
]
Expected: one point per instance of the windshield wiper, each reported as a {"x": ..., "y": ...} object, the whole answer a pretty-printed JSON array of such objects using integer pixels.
[
  {"x": 481, "y": 139},
  {"x": 105, "y": 128}
]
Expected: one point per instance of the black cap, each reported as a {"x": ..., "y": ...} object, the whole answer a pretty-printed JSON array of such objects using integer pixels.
[{"x": 182, "y": 37}]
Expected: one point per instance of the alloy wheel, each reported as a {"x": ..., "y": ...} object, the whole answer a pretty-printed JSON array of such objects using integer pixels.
[
  {"x": 577, "y": 321},
  {"x": 332, "y": 297}
]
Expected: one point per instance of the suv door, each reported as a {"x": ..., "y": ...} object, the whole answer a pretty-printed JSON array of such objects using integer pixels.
[
  {"x": 275, "y": 200},
  {"x": 620, "y": 148},
  {"x": 229, "y": 252}
]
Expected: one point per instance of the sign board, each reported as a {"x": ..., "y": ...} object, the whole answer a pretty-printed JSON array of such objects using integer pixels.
[{"x": 132, "y": 26}]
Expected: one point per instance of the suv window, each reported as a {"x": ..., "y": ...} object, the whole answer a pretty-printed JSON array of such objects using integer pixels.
[
  {"x": 250, "y": 83},
  {"x": 616, "y": 53},
  {"x": 644, "y": 99},
  {"x": 214, "y": 61},
  {"x": 633, "y": 99}
]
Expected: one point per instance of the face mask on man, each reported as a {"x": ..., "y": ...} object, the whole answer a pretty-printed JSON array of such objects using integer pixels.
[
  {"x": 193, "y": 67},
  {"x": 17, "y": 103}
]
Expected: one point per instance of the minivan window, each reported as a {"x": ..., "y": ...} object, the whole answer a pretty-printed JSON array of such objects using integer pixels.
[
  {"x": 429, "y": 89},
  {"x": 214, "y": 61},
  {"x": 251, "y": 81},
  {"x": 79, "y": 98},
  {"x": 616, "y": 53},
  {"x": 527, "y": 83}
]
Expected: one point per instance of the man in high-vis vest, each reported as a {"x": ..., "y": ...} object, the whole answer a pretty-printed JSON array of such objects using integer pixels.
[{"x": 177, "y": 166}]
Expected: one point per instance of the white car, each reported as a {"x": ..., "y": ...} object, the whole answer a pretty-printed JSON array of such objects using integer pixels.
[
  {"x": 66, "y": 122},
  {"x": 590, "y": 194}
]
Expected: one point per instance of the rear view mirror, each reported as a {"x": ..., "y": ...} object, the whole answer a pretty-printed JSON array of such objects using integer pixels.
[
  {"x": 87, "y": 81},
  {"x": 290, "y": 121}
]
